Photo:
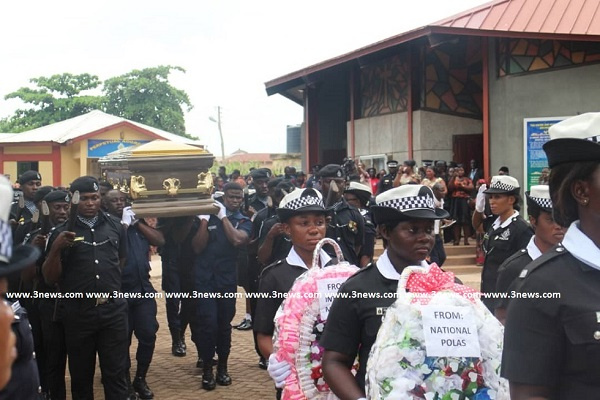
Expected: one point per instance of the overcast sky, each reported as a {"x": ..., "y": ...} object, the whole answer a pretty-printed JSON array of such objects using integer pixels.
[{"x": 229, "y": 49}]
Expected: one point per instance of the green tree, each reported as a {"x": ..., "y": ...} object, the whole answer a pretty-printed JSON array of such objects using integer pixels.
[
  {"x": 146, "y": 96},
  {"x": 54, "y": 99}
]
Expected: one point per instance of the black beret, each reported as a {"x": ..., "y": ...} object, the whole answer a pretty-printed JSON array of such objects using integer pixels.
[
  {"x": 41, "y": 192},
  {"x": 331, "y": 171},
  {"x": 261, "y": 173},
  {"x": 84, "y": 184},
  {"x": 274, "y": 182},
  {"x": 57, "y": 195},
  {"x": 29, "y": 176}
]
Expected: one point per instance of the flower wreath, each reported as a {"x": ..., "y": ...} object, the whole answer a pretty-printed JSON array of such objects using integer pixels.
[
  {"x": 299, "y": 326},
  {"x": 399, "y": 366}
]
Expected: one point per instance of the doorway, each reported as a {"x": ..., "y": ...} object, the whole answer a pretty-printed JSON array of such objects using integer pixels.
[{"x": 466, "y": 148}]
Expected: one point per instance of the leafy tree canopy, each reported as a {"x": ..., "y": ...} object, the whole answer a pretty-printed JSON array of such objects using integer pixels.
[
  {"x": 144, "y": 96},
  {"x": 55, "y": 99}
]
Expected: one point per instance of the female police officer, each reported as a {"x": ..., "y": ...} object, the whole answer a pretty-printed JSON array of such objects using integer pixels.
[
  {"x": 508, "y": 234},
  {"x": 405, "y": 217},
  {"x": 552, "y": 343}
]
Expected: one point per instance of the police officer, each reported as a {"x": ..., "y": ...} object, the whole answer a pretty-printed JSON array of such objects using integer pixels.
[
  {"x": 89, "y": 259},
  {"x": 27, "y": 225},
  {"x": 552, "y": 343},
  {"x": 405, "y": 217},
  {"x": 359, "y": 196},
  {"x": 547, "y": 234},
  {"x": 29, "y": 182},
  {"x": 347, "y": 225},
  {"x": 248, "y": 267},
  {"x": 141, "y": 308},
  {"x": 303, "y": 216},
  {"x": 24, "y": 381},
  {"x": 51, "y": 351},
  {"x": 508, "y": 234},
  {"x": 387, "y": 181},
  {"x": 216, "y": 245}
]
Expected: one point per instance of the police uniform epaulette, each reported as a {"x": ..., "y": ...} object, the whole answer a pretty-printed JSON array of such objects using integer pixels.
[
  {"x": 270, "y": 267},
  {"x": 363, "y": 269},
  {"x": 539, "y": 262},
  {"x": 518, "y": 254}
]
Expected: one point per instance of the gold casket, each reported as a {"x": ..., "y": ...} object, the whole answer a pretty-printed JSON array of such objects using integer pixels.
[{"x": 163, "y": 178}]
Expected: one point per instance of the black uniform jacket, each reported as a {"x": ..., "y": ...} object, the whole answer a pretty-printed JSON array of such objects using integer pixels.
[{"x": 552, "y": 335}]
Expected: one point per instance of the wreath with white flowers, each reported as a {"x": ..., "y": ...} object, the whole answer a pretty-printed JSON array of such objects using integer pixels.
[
  {"x": 299, "y": 325},
  {"x": 399, "y": 366}
]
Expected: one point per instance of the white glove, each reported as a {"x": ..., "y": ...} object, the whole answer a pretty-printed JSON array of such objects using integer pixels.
[
  {"x": 128, "y": 216},
  {"x": 278, "y": 370},
  {"x": 480, "y": 199},
  {"x": 222, "y": 210},
  {"x": 204, "y": 217}
]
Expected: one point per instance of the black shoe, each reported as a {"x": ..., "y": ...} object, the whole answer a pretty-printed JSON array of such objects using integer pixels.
[
  {"x": 262, "y": 363},
  {"x": 142, "y": 389},
  {"x": 200, "y": 364},
  {"x": 131, "y": 394},
  {"x": 208, "y": 379},
  {"x": 223, "y": 378},
  {"x": 177, "y": 345},
  {"x": 246, "y": 325}
]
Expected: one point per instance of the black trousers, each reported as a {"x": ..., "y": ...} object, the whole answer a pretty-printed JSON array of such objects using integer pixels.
[
  {"x": 142, "y": 322},
  {"x": 53, "y": 335},
  {"x": 212, "y": 324},
  {"x": 103, "y": 330}
]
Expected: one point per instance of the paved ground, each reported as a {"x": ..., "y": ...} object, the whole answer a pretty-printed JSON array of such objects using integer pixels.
[{"x": 174, "y": 378}]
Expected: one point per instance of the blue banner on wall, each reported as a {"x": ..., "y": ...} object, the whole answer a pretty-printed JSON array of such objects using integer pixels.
[
  {"x": 100, "y": 147},
  {"x": 536, "y": 134}
]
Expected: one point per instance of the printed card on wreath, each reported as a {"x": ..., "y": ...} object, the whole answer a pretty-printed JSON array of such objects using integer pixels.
[{"x": 436, "y": 342}]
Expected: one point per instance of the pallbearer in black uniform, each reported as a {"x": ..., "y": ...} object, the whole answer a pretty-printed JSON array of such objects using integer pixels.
[
  {"x": 347, "y": 225},
  {"x": 22, "y": 382},
  {"x": 405, "y": 217},
  {"x": 552, "y": 343},
  {"x": 90, "y": 259},
  {"x": 141, "y": 310},
  {"x": 303, "y": 218},
  {"x": 26, "y": 226},
  {"x": 547, "y": 234},
  {"x": 216, "y": 245},
  {"x": 508, "y": 234}
]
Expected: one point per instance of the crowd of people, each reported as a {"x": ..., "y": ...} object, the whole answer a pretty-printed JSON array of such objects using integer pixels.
[{"x": 261, "y": 237}]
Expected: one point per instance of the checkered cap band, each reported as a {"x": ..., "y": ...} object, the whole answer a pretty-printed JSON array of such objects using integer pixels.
[
  {"x": 404, "y": 204},
  {"x": 301, "y": 202},
  {"x": 502, "y": 186},
  {"x": 595, "y": 139},
  {"x": 6, "y": 242},
  {"x": 542, "y": 201}
]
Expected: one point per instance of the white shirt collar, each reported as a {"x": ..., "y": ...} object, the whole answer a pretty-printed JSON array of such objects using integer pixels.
[
  {"x": 385, "y": 267},
  {"x": 294, "y": 259},
  {"x": 497, "y": 224},
  {"x": 581, "y": 246},
  {"x": 532, "y": 249}
]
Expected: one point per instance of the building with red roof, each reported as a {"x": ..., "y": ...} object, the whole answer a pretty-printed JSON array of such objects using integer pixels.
[{"x": 484, "y": 84}]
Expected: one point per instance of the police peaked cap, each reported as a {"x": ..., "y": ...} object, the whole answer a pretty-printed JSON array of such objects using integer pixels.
[
  {"x": 539, "y": 197},
  {"x": 84, "y": 184},
  {"x": 56, "y": 196},
  {"x": 300, "y": 201},
  {"x": 41, "y": 193},
  {"x": 331, "y": 171},
  {"x": 574, "y": 139},
  {"x": 503, "y": 184},
  {"x": 406, "y": 202},
  {"x": 261, "y": 173},
  {"x": 392, "y": 164},
  {"x": 362, "y": 192},
  {"x": 29, "y": 176}
]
